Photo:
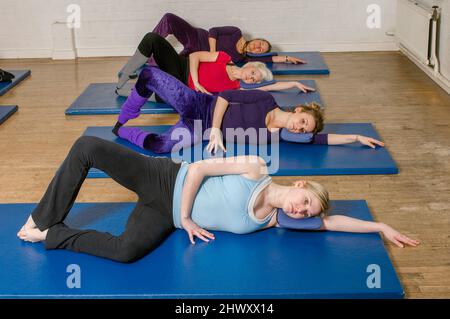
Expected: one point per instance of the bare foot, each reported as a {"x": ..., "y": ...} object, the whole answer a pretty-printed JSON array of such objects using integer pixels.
[
  {"x": 33, "y": 235},
  {"x": 28, "y": 225}
]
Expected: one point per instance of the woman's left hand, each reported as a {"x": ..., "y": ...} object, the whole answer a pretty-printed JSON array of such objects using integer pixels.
[
  {"x": 215, "y": 141},
  {"x": 397, "y": 238},
  {"x": 194, "y": 230},
  {"x": 294, "y": 60},
  {"x": 304, "y": 88},
  {"x": 371, "y": 142}
]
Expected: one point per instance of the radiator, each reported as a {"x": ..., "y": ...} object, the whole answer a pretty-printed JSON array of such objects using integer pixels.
[{"x": 417, "y": 29}]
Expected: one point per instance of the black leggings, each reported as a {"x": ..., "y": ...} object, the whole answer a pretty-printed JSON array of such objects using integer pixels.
[
  {"x": 152, "y": 179},
  {"x": 165, "y": 56}
]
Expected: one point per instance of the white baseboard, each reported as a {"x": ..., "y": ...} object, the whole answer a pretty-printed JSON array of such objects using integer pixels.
[
  {"x": 443, "y": 82},
  {"x": 63, "y": 55}
]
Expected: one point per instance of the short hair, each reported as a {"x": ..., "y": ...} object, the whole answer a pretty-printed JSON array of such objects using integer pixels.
[{"x": 261, "y": 67}]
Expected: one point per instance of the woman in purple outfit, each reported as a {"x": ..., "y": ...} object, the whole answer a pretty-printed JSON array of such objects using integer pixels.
[
  {"x": 229, "y": 111},
  {"x": 226, "y": 39}
]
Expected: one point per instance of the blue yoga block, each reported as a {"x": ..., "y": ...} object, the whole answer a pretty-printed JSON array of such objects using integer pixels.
[{"x": 274, "y": 263}]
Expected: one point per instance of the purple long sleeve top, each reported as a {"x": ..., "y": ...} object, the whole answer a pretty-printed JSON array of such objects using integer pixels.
[
  {"x": 248, "y": 109},
  {"x": 226, "y": 38}
]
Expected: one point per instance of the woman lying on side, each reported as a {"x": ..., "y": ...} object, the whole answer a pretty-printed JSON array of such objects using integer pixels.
[
  {"x": 199, "y": 197},
  {"x": 232, "y": 109},
  {"x": 208, "y": 72},
  {"x": 228, "y": 39}
]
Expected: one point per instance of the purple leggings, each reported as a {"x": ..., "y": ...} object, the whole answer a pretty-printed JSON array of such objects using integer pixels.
[
  {"x": 193, "y": 39},
  {"x": 191, "y": 105}
]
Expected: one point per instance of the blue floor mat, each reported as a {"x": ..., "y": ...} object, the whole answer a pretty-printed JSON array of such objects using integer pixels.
[
  {"x": 100, "y": 98},
  {"x": 294, "y": 160},
  {"x": 6, "y": 111},
  {"x": 273, "y": 263},
  {"x": 20, "y": 75}
]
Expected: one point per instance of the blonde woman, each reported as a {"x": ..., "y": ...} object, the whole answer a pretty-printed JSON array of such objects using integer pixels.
[
  {"x": 232, "y": 194},
  {"x": 207, "y": 72}
]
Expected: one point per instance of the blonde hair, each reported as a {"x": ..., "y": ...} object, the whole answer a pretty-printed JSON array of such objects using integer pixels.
[
  {"x": 321, "y": 194},
  {"x": 261, "y": 67},
  {"x": 316, "y": 111}
]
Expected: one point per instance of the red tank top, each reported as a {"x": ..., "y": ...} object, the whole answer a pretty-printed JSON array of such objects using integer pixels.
[{"x": 213, "y": 76}]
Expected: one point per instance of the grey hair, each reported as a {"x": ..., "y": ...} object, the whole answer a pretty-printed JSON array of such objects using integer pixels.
[{"x": 261, "y": 67}]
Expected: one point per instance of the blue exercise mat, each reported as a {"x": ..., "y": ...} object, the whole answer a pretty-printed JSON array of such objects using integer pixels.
[
  {"x": 294, "y": 160},
  {"x": 100, "y": 98},
  {"x": 273, "y": 263},
  {"x": 19, "y": 76},
  {"x": 6, "y": 111},
  {"x": 315, "y": 64}
]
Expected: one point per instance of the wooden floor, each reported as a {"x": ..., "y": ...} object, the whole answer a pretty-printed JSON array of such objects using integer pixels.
[{"x": 411, "y": 113}]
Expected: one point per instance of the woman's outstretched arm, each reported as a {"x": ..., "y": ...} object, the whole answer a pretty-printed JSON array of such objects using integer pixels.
[
  {"x": 287, "y": 59},
  {"x": 338, "y": 139},
  {"x": 280, "y": 86},
  {"x": 252, "y": 167},
  {"x": 353, "y": 225}
]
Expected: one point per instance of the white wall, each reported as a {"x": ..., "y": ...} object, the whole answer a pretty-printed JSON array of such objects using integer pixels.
[
  {"x": 114, "y": 27},
  {"x": 444, "y": 40}
]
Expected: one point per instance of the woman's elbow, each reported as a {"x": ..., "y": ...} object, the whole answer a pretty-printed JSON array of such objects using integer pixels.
[{"x": 193, "y": 56}]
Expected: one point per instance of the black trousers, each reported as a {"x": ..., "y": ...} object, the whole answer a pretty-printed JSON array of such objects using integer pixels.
[
  {"x": 165, "y": 56},
  {"x": 152, "y": 179}
]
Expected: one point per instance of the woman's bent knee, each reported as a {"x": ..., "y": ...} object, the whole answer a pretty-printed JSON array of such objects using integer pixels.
[{"x": 129, "y": 253}]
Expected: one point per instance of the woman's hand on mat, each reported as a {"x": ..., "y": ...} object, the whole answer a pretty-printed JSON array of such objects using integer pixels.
[
  {"x": 194, "y": 230},
  {"x": 371, "y": 142},
  {"x": 304, "y": 88},
  {"x": 200, "y": 88},
  {"x": 215, "y": 141},
  {"x": 294, "y": 60},
  {"x": 397, "y": 238}
]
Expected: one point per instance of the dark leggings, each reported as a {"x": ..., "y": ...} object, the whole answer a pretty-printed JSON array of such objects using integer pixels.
[
  {"x": 165, "y": 56},
  {"x": 150, "y": 222},
  {"x": 193, "y": 39}
]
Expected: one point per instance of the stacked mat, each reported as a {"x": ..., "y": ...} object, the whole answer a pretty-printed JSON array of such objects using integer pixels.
[
  {"x": 6, "y": 111},
  {"x": 19, "y": 76}
]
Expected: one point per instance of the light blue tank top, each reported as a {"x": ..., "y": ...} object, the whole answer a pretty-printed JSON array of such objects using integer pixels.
[{"x": 223, "y": 203}]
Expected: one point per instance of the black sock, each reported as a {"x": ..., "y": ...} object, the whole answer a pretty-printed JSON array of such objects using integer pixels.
[
  {"x": 115, "y": 130},
  {"x": 148, "y": 141}
]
